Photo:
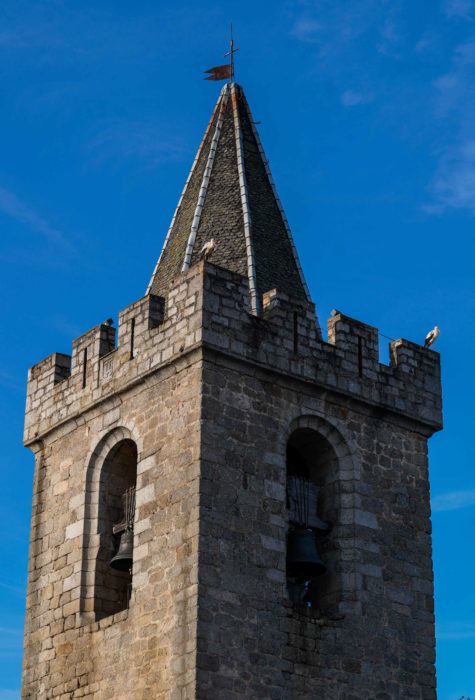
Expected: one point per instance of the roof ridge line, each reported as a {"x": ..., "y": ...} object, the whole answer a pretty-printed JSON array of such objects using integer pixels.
[
  {"x": 256, "y": 304},
  {"x": 277, "y": 198},
  {"x": 192, "y": 169},
  {"x": 223, "y": 99}
]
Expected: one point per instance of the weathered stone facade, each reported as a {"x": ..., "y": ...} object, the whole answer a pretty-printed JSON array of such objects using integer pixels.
[{"x": 210, "y": 393}]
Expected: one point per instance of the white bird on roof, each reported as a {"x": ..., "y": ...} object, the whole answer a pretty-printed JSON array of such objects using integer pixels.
[
  {"x": 207, "y": 249},
  {"x": 431, "y": 337}
]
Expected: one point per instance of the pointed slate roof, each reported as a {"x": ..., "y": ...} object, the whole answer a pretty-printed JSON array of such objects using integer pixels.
[{"x": 230, "y": 196}]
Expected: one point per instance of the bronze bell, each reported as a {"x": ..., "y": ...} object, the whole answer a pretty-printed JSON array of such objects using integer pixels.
[
  {"x": 122, "y": 560},
  {"x": 303, "y": 559}
]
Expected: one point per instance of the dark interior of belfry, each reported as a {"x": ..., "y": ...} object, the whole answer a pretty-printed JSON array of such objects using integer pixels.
[
  {"x": 113, "y": 575},
  {"x": 312, "y": 505}
]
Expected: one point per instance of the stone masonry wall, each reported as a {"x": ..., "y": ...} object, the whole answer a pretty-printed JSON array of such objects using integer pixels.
[
  {"x": 209, "y": 394},
  {"x": 149, "y": 650},
  {"x": 131, "y": 392},
  {"x": 262, "y": 379},
  {"x": 254, "y": 643}
]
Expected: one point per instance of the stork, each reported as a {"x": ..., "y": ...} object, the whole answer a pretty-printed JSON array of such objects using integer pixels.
[
  {"x": 207, "y": 249},
  {"x": 431, "y": 337}
]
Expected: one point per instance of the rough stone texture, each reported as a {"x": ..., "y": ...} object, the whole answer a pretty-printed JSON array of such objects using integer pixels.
[
  {"x": 379, "y": 641},
  {"x": 67, "y": 652},
  {"x": 275, "y": 264},
  {"x": 222, "y": 217},
  {"x": 210, "y": 394}
]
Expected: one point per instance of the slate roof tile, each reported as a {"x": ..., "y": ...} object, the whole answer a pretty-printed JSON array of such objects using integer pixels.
[{"x": 238, "y": 207}]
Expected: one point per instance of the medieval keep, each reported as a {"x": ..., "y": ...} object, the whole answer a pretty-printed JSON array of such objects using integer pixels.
[{"x": 226, "y": 506}]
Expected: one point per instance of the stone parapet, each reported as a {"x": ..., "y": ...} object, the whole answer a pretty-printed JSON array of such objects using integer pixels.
[
  {"x": 151, "y": 332},
  {"x": 286, "y": 339},
  {"x": 210, "y": 306}
]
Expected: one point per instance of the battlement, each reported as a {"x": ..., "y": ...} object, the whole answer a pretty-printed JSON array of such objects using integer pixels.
[
  {"x": 150, "y": 331},
  {"x": 287, "y": 339},
  {"x": 208, "y": 307}
]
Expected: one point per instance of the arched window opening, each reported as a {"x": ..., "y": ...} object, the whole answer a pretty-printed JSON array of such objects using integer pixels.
[
  {"x": 113, "y": 571},
  {"x": 312, "y": 506}
]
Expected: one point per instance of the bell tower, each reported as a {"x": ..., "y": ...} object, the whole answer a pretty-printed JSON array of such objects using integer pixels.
[{"x": 226, "y": 505}]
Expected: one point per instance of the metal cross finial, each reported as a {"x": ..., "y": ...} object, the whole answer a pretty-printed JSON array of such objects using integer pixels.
[{"x": 231, "y": 53}]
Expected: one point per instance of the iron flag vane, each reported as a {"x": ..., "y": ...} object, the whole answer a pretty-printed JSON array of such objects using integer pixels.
[{"x": 226, "y": 71}]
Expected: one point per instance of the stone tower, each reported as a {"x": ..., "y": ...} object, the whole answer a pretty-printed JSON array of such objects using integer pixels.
[{"x": 242, "y": 436}]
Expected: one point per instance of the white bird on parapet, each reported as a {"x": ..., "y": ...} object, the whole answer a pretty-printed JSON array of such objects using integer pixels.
[
  {"x": 431, "y": 337},
  {"x": 207, "y": 249}
]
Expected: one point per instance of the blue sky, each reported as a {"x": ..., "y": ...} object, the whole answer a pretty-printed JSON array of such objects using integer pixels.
[{"x": 367, "y": 114}]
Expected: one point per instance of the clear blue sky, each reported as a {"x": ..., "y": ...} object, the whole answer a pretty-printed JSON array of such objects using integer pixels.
[{"x": 367, "y": 113}]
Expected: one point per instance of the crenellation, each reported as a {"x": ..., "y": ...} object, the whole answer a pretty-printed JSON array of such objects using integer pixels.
[
  {"x": 210, "y": 305},
  {"x": 287, "y": 339},
  {"x": 162, "y": 331},
  {"x": 98, "y": 341},
  {"x": 143, "y": 315},
  {"x": 359, "y": 341},
  {"x": 413, "y": 359},
  {"x": 50, "y": 371}
]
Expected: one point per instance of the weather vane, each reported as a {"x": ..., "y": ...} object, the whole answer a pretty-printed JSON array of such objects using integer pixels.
[{"x": 225, "y": 72}]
